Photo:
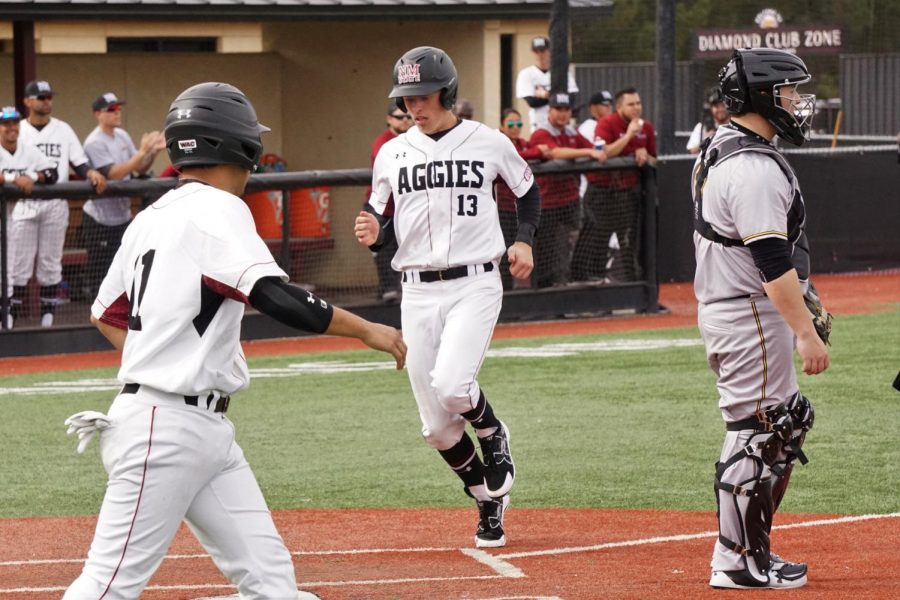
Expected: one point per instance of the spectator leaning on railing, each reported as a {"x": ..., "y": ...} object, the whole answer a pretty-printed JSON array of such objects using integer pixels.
[
  {"x": 40, "y": 231},
  {"x": 22, "y": 165},
  {"x": 617, "y": 204},
  {"x": 511, "y": 126},
  {"x": 559, "y": 193},
  {"x": 111, "y": 151}
]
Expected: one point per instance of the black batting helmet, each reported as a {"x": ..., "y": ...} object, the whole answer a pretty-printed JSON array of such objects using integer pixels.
[
  {"x": 423, "y": 71},
  {"x": 213, "y": 124},
  {"x": 751, "y": 82}
]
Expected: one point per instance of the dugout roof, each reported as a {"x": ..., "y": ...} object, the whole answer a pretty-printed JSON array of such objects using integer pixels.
[{"x": 265, "y": 10}]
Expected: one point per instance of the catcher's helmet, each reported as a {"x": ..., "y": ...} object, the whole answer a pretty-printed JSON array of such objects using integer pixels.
[
  {"x": 423, "y": 71},
  {"x": 213, "y": 124},
  {"x": 751, "y": 82}
]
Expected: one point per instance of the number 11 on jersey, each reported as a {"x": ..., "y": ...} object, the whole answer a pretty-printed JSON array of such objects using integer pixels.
[{"x": 142, "y": 268}]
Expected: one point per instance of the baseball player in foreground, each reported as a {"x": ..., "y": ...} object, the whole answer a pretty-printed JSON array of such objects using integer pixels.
[
  {"x": 752, "y": 284},
  {"x": 172, "y": 301},
  {"x": 441, "y": 174},
  {"x": 38, "y": 227}
]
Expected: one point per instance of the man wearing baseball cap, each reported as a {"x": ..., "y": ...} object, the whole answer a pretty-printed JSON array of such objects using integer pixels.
[
  {"x": 111, "y": 151},
  {"x": 559, "y": 193},
  {"x": 37, "y": 235},
  {"x": 22, "y": 165},
  {"x": 601, "y": 105},
  {"x": 533, "y": 82}
]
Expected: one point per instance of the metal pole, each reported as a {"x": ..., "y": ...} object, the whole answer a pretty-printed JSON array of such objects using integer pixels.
[
  {"x": 665, "y": 76},
  {"x": 286, "y": 230},
  {"x": 559, "y": 46},
  {"x": 649, "y": 236},
  {"x": 4, "y": 257},
  {"x": 24, "y": 61}
]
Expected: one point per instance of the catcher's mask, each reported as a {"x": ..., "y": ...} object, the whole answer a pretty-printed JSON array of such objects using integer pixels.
[{"x": 765, "y": 81}]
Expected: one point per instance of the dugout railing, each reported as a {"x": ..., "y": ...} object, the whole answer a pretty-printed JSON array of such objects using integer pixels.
[{"x": 72, "y": 331}]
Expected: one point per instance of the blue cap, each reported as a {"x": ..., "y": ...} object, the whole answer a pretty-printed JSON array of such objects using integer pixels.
[{"x": 9, "y": 113}]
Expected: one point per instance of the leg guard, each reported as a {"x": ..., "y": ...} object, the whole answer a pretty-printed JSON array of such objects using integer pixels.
[
  {"x": 801, "y": 415},
  {"x": 743, "y": 488}
]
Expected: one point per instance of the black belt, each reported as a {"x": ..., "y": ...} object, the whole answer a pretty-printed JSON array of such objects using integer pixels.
[
  {"x": 758, "y": 422},
  {"x": 447, "y": 274},
  {"x": 221, "y": 405},
  {"x": 741, "y": 297}
]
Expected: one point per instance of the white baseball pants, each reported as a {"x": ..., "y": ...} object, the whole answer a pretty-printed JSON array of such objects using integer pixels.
[
  {"x": 168, "y": 461},
  {"x": 447, "y": 327},
  {"x": 37, "y": 228}
]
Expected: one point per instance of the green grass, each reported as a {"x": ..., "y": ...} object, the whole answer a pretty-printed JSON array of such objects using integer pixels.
[{"x": 636, "y": 429}]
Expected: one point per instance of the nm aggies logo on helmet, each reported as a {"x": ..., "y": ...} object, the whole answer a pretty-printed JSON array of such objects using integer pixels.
[{"x": 409, "y": 74}]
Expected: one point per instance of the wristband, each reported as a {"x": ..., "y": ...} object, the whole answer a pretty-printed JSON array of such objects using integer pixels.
[
  {"x": 9, "y": 177},
  {"x": 33, "y": 176}
]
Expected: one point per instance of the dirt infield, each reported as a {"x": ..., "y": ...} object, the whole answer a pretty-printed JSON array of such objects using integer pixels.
[
  {"x": 563, "y": 554},
  {"x": 552, "y": 553}
]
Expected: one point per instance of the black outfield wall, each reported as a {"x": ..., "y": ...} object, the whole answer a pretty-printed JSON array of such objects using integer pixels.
[{"x": 853, "y": 208}]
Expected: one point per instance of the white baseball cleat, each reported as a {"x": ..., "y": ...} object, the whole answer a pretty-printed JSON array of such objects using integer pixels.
[{"x": 783, "y": 575}]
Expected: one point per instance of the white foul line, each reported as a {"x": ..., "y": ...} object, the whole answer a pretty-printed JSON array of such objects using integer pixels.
[
  {"x": 496, "y": 561},
  {"x": 500, "y": 566},
  {"x": 687, "y": 537}
]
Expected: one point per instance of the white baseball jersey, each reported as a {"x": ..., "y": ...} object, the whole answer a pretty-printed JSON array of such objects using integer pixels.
[
  {"x": 26, "y": 159},
  {"x": 529, "y": 79},
  {"x": 588, "y": 130},
  {"x": 445, "y": 213},
  {"x": 58, "y": 142},
  {"x": 180, "y": 280}
]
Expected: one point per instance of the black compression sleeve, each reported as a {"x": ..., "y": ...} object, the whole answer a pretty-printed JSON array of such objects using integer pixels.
[
  {"x": 772, "y": 256},
  {"x": 535, "y": 102},
  {"x": 82, "y": 170},
  {"x": 291, "y": 305},
  {"x": 528, "y": 209}
]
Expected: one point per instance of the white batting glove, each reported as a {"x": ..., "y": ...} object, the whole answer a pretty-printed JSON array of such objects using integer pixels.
[{"x": 85, "y": 424}]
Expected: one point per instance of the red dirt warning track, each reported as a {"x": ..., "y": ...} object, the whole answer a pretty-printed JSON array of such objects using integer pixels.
[{"x": 565, "y": 554}]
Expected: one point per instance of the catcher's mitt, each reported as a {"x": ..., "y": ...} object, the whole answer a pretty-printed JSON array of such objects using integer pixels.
[{"x": 821, "y": 318}]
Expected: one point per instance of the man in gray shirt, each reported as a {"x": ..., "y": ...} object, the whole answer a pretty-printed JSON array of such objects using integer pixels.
[
  {"x": 752, "y": 273},
  {"x": 111, "y": 151}
]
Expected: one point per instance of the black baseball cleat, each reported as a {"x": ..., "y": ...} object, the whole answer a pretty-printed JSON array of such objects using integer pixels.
[
  {"x": 490, "y": 523},
  {"x": 499, "y": 470},
  {"x": 782, "y": 575}
]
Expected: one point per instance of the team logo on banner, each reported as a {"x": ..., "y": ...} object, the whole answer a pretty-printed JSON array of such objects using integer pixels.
[{"x": 408, "y": 74}]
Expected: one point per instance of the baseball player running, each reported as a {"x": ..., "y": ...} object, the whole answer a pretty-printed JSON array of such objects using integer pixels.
[
  {"x": 38, "y": 227},
  {"x": 441, "y": 174},
  {"x": 172, "y": 301},
  {"x": 752, "y": 274}
]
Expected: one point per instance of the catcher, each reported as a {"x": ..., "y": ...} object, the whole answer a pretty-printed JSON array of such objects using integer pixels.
[{"x": 752, "y": 276}]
